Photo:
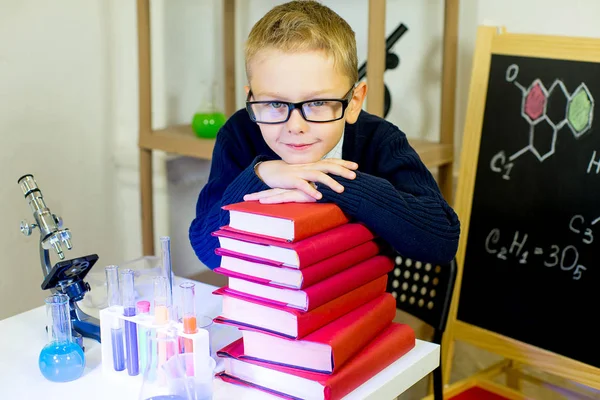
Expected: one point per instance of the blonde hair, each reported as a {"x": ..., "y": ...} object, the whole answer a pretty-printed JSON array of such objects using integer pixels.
[{"x": 305, "y": 25}]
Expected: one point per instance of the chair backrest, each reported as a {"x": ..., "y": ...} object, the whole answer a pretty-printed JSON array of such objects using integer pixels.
[{"x": 423, "y": 289}]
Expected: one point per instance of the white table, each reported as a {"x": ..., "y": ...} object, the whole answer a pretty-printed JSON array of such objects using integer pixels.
[{"x": 23, "y": 336}]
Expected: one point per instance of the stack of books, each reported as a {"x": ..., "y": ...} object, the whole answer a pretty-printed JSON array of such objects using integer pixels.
[{"x": 306, "y": 287}]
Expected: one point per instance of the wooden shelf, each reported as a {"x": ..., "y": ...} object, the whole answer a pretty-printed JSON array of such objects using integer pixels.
[
  {"x": 181, "y": 140},
  {"x": 178, "y": 139},
  {"x": 433, "y": 154}
]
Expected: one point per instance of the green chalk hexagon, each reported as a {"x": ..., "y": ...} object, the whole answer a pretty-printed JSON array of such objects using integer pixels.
[{"x": 580, "y": 110}]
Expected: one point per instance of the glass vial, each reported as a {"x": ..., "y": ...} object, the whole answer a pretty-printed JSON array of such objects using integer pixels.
[
  {"x": 188, "y": 299},
  {"x": 161, "y": 315},
  {"x": 165, "y": 244},
  {"x": 143, "y": 311},
  {"x": 207, "y": 120},
  {"x": 131, "y": 342},
  {"x": 188, "y": 307},
  {"x": 164, "y": 379},
  {"x": 116, "y": 332}
]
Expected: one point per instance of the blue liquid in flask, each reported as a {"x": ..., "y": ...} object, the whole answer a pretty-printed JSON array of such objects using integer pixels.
[{"x": 62, "y": 362}]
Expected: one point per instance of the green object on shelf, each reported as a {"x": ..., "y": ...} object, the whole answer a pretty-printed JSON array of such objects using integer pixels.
[{"x": 207, "y": 125}]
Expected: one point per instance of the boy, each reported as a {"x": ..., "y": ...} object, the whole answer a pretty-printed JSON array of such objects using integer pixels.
[{"x": 303, "y": 137}]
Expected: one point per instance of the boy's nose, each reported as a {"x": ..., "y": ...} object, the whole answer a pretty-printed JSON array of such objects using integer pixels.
[{"x": 296, "y": 123}]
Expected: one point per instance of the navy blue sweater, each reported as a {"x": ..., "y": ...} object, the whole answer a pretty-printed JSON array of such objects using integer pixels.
[{"x": 393, "y": 194}]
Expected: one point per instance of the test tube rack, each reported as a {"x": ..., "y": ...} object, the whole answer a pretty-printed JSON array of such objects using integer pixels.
[{"x": 109, "y": 317}]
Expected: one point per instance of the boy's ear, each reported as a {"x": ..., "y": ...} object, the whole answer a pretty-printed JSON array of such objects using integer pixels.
[
  {"x": 355, "y": 106},
  {"x": 246, "y": 89}
]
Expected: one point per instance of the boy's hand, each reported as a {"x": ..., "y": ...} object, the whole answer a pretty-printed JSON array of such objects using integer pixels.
[
  {"x": 281, "y": 175},
  {"x": 274, "y": 196}
]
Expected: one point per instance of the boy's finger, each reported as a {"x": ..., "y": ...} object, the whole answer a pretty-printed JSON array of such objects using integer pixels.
[
  {"x": 253, "y": 196},
  {"x": 318, "y": 176},
  {"x": 336, "y": 169},
  {"x": 346, "y": 164},
  {"x": 295, "y": 196},
  {"x": 341, "y": 171},
  {"x": 262, "y": 194},
  {"x": 308, "y": 188}
]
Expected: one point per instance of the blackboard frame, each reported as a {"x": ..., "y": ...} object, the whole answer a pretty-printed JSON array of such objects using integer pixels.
[{"x": 491, "y": 41}]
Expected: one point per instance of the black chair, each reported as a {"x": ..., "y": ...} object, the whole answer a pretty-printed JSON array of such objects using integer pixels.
[{"x": 424, "y": 290}]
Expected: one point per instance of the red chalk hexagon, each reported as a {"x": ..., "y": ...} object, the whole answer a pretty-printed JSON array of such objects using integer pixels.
[{"x": 534, "y": 102}]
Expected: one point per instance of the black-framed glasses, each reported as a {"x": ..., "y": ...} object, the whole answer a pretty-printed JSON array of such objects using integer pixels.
[{"x": 316, "y": 110}]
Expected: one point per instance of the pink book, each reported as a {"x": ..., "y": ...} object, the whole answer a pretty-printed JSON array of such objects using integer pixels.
[
  {"x": 319, "y": 293},
  {"x": 292, "y": 383},
  {"x": 299, "y": 254},
  {"x": 285, "y": 221},
  {"x": 243, "y": 311},
  {"x": 328, "y": 348},
  {"x": 274, "y": 273}
]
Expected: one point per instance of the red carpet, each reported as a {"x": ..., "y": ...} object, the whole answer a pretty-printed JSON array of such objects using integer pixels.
[{"x": 477, "y": 393}]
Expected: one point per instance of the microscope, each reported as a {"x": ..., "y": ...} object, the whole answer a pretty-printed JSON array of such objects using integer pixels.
[{"x": 66, "y": 276}]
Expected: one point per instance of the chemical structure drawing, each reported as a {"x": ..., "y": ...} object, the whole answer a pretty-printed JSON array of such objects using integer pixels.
[
  {"x": 543, "y": 128},
  {"x": 579, "y": 112}
]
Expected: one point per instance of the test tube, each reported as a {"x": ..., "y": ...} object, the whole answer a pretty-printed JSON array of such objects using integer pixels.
[
  {"x": 131, "y": 343},
  {"x": 165, "y": 244},
  {"x": 188, "y": 299},
  {"x": 143, "y": 309},
  {"x": 114, "y": 299},
  {"x": 161, "y": 314}
]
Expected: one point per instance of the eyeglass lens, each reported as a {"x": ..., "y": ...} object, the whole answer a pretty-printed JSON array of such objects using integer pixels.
[{"x": 317, "y": 111}]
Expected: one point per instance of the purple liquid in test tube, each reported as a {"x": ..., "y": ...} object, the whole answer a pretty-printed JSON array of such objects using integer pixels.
[
  {"x": 114, "y": 299},
  {"x": 117, "y": 349},
  {"x": 131, "y": 344}
]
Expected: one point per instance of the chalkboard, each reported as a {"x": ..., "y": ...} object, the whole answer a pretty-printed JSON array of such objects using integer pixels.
[{"x": 531, "y": 269}]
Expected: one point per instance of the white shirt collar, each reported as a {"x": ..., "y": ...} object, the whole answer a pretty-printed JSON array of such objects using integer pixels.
[{"x": 336, "y": 152}]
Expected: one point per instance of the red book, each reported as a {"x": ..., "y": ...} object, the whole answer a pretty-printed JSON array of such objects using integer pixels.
[
  {"x": 273, "y": 273},
  {"x": 320, "y": 293},
  {"x": 287, "y": 221},
  {"x": 299, "y": 254},
  {"x": 328, "y": 348},
  {"x": 391, "y": 344},
  {"x": 241, "y": 311}
]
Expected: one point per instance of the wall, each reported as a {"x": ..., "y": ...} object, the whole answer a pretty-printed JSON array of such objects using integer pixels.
[
  {"x": 68, "y": 115},
  {"x": 122, "y": 33},
  {"x": 54, "y": 119}
]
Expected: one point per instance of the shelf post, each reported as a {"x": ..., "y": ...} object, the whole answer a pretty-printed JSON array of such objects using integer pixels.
[
  {"x": 376, "y": 57},
  {"x": 448, "y": 97},
  {"x": 445, "y": 177},
  {"x": 145, "y": 126},
  {"x": 229, "y": 55}
]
